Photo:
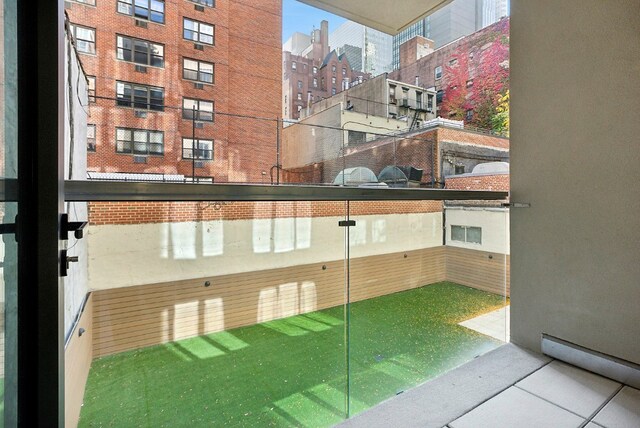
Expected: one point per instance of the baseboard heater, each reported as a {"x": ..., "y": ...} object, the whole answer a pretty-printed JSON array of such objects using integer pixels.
[{"x": 606, "y": 365}]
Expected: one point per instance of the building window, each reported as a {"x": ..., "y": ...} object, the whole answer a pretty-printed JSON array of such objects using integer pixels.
[
  {"x": 299, "y": 96},
  {"x": 439, "y": 96},
  {"x": 315, "y": 70},
  {"x": 203, "y": 109},
  {"x": 91, "y": 137},
  {"x": 299, "y": 109},
  {"x": 203, "y": 149},
  {"x": 344, "y": 71},
  {"x": 453, "y": 62},
  {"x": 140, "y": 51},
  {"x": 469, "y": 83},
  {"x": 468, "y": 234},
  {"x": 199, "y": 71},
  {"x": 198, "y": 31},
  {"x": 294, "y": 65},
  {"x": 459, "y": 169},
  {"x": 151, "y": 10},
  {"x": 315, "y": 82},
  {"x": 91, "y": 88},
  {"x": 333, "y": 91},
  {"x": 430, "y": 103},
  {"x": 356, "y": 137},
  {"x": 210, "y": 3},
  {"x": 392, "y": 94},
  {"x": 84, "y": 37},
  {"x": 418, "y": 100},
  {"x": 139, "y": 96},
  {"x": 141, "y": 142},
  {"x": 438, "y": 72},
  {"x": 333, "y": 80},
  {"x": 299, "y": 84},
  {"x": 333, "y": 69}
]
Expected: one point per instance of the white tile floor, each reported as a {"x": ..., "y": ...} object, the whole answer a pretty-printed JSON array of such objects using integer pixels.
[
  {"x": 558, "y": 395},
  {"x": 495, "y": 324}
]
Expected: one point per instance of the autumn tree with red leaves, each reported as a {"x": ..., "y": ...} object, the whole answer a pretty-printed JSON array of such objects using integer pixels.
[{"x": 477, "y": 79}]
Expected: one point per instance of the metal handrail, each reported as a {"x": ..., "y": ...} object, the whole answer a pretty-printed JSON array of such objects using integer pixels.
[{"x": 85, "y": 191}]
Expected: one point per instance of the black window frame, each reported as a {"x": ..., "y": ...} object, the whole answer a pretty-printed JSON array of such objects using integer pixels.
[
  {"x": 134, "y": 10},
  {"x": 188, "y": 113},
  {"x": 197, "y": 32},
  {"x": 133, "y": 103},
  {"x": 132, "y": 142},
  {"x": 199, "y": 150},
  {"x": 132, "y": 51},
  {"x": 73, "y": 27},
  {"x": 198, "y": 71}
]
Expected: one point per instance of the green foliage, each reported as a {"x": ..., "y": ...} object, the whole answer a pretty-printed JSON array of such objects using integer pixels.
[{"x": 500, "y": 120}]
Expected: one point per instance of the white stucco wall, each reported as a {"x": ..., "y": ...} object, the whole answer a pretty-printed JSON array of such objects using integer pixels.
[
  {"x": 493, "y": 221},
  {"x": 127, "y": 255}
]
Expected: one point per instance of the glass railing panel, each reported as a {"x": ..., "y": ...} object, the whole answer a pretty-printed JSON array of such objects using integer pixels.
[
  {"x": 419, "y": 303},
  {"x": 8, "y": 212},
  {"x": 215, "y": 313}
]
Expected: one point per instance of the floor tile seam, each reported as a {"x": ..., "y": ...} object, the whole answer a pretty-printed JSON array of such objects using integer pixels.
[
  {"x": 500, "y": 392},
  {"x": 610, "y": 399},
  {"x": 551, "y": 402}
]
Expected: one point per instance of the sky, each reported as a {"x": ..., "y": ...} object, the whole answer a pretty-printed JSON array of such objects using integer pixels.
[{"x": 299, "y": 17}]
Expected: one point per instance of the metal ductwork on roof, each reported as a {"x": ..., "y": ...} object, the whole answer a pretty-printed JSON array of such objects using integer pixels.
[{"x": 388, "y": 16}]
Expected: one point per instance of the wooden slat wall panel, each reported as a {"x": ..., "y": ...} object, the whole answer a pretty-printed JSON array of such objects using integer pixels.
[
  {"x": 77, "y": 362},
  {"x": 134, "y": 317},
  {"x": 476, "y": 269}
]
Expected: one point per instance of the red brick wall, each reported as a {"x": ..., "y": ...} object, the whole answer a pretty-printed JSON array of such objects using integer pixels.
[
  {"x": 417, "y": 151},
  {"x": 102, "y": 213},
  {"x": 469, "y": 137},
  {"x": 497, "y": 182},
  {"x": 247, "y": 82}
]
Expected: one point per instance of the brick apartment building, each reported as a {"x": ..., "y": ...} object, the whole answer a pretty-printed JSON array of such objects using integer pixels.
[
  {"x": 315, "y": 74},
  {"x": 469, "y": 74},
  {"x": 151, "y": 62}
]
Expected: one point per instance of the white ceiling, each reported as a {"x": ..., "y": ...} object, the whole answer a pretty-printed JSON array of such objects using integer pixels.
[{"x": 389, "y": 16}]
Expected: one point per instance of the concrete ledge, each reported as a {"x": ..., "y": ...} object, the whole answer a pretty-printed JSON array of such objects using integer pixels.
[{"x": 444, "y": 399}]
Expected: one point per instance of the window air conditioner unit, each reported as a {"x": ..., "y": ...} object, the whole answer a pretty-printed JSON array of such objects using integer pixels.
[
  {"x": 141, "y": 24},
  {"x": 198, "y": 85},
  {"x": 141, "y": 114},
  {"x": 199, "y": 125},
  {"x": 139, "y": 159},
  {"x": 199, "y": 8},
  {"x": 198, "y": 46},
  {"x": 141, "y": 69}
]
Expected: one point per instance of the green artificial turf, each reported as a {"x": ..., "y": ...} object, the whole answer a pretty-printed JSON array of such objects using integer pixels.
[{"x": 292, "y": 372}]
